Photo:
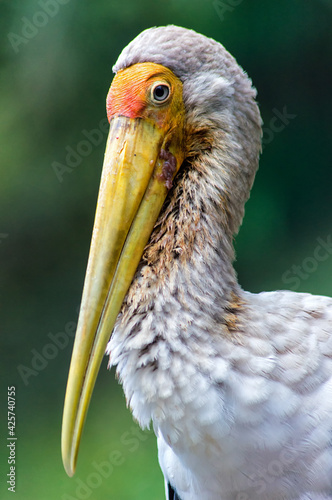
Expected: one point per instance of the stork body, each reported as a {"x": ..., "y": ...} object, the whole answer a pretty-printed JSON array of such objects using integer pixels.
[
  {"x": 246, "y": 412},
  {"x": 238, "y": 386}
]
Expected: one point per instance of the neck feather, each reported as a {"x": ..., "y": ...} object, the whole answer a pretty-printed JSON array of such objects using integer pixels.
[{"x": 185, "y": 288}]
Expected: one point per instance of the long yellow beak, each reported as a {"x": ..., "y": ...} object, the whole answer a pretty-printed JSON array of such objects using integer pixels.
[{"x": 132, "y": 192}]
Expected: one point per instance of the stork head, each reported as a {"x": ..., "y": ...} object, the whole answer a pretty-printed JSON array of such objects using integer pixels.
[{"x": 175, "y": 93}]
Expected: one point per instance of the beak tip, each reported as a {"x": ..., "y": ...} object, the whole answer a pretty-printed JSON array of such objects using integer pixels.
[
  {"x": 68, "y": 457},
  {"x": 70, "y": 472},
  {"x": 69, "y": 466}
]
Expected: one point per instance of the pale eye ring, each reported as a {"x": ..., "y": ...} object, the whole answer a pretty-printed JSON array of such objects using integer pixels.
[{"x": 160, "y": 92}]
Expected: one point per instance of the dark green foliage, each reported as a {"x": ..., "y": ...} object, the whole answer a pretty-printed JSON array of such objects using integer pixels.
[{"x": 53, "y": 89}]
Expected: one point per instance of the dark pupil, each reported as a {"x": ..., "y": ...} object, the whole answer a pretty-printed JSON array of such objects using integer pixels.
[{"x": 161, "y": 92}]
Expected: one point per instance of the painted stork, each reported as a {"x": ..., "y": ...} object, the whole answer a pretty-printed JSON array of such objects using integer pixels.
[{"x": 238, "y": 386}]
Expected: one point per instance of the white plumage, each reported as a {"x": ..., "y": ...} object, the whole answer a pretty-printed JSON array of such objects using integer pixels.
[
  {"x": 239, "y": 418},
  {"x": 238, "y": 386}
]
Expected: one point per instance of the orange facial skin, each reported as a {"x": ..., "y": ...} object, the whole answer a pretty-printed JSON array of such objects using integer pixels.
[{"x": 131, "y": 95}]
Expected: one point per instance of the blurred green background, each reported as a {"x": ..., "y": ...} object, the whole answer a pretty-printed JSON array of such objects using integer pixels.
[{"x": 56, "y": 59}]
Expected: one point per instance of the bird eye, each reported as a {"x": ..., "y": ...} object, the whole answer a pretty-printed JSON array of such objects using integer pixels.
[{"x": 160, "y": 93}]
